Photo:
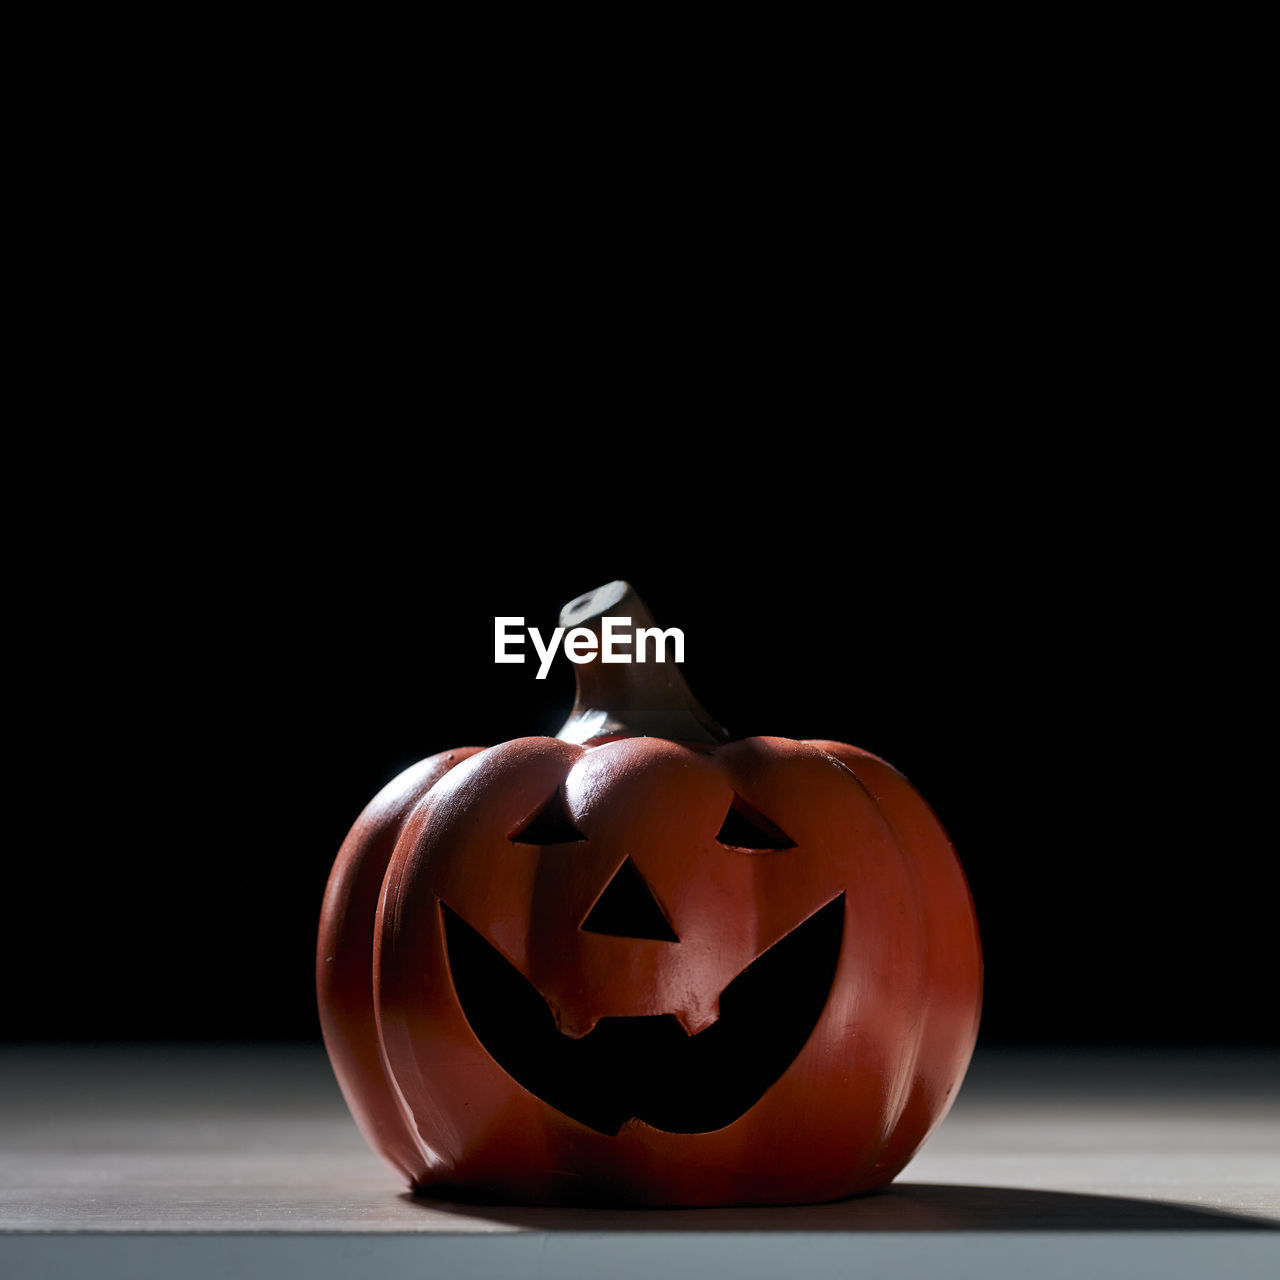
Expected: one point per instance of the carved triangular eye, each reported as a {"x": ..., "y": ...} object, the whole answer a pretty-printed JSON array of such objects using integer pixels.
[
  {"x": 748, "y": 828},
  {"x": 550, "y": 825}
]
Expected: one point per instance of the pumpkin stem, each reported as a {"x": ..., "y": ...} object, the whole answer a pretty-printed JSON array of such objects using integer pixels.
[{"x": 629, "y": 699}]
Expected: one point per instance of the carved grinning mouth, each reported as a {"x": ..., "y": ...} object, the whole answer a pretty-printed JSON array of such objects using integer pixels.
[{"x": 649, "y": 1067}]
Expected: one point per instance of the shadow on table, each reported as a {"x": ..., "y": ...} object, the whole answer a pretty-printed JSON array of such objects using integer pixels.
[{"x": 901, "y": 1207}]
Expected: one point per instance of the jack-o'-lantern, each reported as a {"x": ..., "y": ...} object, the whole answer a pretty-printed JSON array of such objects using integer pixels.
[{"x": 640, "y": 963}]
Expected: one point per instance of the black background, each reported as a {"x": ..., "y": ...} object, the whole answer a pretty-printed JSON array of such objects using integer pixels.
[
  {"x": 248, "y": 632},
  {"x": 963, "y": 468}
]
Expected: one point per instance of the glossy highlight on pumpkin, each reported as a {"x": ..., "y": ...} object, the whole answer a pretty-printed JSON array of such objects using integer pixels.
[{"x": 648, "y": 968}]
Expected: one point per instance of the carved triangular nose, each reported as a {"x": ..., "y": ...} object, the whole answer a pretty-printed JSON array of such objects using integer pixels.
[{"x": 628, "y": 909}]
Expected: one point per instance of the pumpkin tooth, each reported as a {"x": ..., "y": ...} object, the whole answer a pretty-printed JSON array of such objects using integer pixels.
[
  {"x": 696, "y": 1021},
  {"x": 574, "y": 1026}
]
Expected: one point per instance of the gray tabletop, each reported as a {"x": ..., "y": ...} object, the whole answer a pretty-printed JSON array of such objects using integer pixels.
[{"x": 198, "y": 1161}]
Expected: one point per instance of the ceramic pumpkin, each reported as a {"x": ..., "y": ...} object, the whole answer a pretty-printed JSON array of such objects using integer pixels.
[{"x": 640, "y": 963}]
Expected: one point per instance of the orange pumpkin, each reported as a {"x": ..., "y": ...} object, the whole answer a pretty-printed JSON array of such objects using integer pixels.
[{"x": 640, "y": 964}]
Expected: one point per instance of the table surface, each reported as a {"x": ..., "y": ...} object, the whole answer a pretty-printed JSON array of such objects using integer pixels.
[{"x": 255, "y": 1142}]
